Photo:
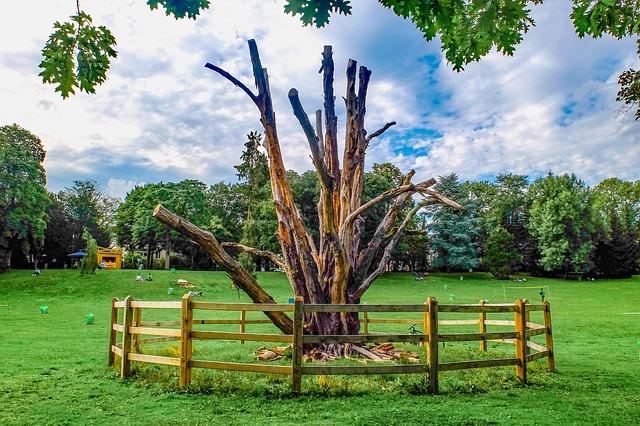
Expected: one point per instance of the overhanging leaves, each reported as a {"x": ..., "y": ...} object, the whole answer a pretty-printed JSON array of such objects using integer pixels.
[{"x": 77, "y": 55}]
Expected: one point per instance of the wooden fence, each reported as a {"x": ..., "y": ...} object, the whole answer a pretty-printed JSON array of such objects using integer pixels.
[{"x": 131, "y": 328}]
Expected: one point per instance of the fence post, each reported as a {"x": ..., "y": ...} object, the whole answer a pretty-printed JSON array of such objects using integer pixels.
[
  {"x": 112, "y": 332},
  {"x": 521, "y": 340},
  {"x": 185, "y": 341},
  {"x": 432, "y": 332},
  {"x": 483, "y": 328},
  {"x": 298, "y": 337},
  {"x": 551, "y": 362},
  {"x": 242, "y": 318},
  {"x": 366, "y": 322},
  {"x": 137, "y": 319},
  {"x": 527, "y": 318},
  {"x": 127, "y": 320}
]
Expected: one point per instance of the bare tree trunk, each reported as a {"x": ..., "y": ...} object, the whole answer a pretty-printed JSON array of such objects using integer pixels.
[
  {"x": 338, "y": 271},
  {"x": 5, "y": 255}
]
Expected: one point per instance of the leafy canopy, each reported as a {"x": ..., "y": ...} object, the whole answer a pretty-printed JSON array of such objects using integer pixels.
[
  {"x": 23, "y": 197},
  {"x": 77, "y": 55}
]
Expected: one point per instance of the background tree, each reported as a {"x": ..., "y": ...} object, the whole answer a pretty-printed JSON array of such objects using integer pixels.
[
  {"x": 90, "y": 261},
  {"x": 453, "y": 232},
  {"x": 23, "y": 197},
  {"x": 89, "y": 207},
  {"x": 616, "y": 204},
  {"x": 562, "y": 222},
  {"x": 78, "y": 54}
]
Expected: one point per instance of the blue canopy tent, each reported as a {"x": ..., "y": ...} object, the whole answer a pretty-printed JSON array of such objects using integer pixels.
[{"x": 77, "y": 255}]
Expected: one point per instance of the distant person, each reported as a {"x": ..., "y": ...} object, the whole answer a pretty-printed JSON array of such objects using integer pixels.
[
  {"x": 139, "y": 278},
  {"x": 103, "y": 265},
  {"x": 36, "y": 272},
  {"x": 149, "y": 278}
]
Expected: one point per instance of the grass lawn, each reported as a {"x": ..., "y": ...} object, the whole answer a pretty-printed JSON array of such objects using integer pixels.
[{"x": 54, "y": 366}]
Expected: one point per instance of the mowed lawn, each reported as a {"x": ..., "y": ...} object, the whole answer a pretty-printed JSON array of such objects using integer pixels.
[{"x": 53, "y": 366}]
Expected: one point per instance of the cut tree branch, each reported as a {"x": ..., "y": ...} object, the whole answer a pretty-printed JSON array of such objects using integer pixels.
[
  {"x": 380, "y": 131},
  {"x": 240, "y": 276},
  {"x": 388, "y": 251},
  {"x": 275, "y": 258},
  {"x": 234, "y": 80}
]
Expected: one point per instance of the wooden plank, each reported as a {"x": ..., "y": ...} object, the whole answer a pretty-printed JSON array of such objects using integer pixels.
[
  {"x": 499, "y": 307},
  {"x": 500, "y": 322},
  {"x": 235, "y": 366},
  {"x": 361, "y": 338},
  {"x": 154, "y": 359},
  {"x": 363, "y": 308},
  {"x": 393, "y": 321},
  {"x": 112, "y": 332},
  {"x": 366, "y": 322},
  {"x": 117, "y": 327},
  {"x": 458, "y": 322},
  {"x": 186, "y": 349},
  {"x": 536, "y": 355},
  {"x": 118, "y": 304},
  {"x": 536, "y": 332},
  {"x": 152, "y": 331},
  {"x": 231, "y": 321},
  {"x": 551, "y": 363},
  {"x": 137, "y": 319},
  {"x": 480, "y": 363},
  {"x": 157, "y": 340},
  {"x": 255, "y": 337},
  {"x": 482, "y": 323},
  {"x": 298, "y": 340},
  {"x": 323, "y": 370},
  {"x": 127, "y": 320},
  {"x": 155, "y": 305},
  {"x": 263, "y": 307},
  {"x": 536, "y": 347},
  {"x": 521, "y": 340},
  {"x": 535, "y": 307},
  {"x": 534, "y": 326},
  {"x": 158, "y": 323},
  {"x": 473, "y": 337},
  {"x": 116, "y": 350},
  {"x": 509, "y": 341},
  {"x": 425, "y": 344},
  {"x": 432, "y": 334}
]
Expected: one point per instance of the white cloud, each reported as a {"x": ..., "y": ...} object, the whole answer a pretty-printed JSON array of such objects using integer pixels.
[{"x": 163, "y": 116}]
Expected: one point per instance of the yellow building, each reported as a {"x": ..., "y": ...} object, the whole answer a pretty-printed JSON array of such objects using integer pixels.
[{"x": 112, "y": 258}]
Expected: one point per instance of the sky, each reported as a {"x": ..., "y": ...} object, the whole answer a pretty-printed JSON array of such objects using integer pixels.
[{"x": 162, "y": 116}]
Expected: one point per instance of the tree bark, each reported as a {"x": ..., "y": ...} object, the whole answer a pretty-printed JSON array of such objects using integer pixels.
[
  {"x": 338, "y": 270},
  {"x": 237, "y": 273}
]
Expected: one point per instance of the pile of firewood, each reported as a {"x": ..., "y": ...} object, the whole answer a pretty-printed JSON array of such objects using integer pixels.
[{"x": 380, "y": 352}]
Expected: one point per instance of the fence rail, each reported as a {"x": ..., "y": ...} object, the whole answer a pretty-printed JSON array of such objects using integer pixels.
[{"x": 131, "y": 328}]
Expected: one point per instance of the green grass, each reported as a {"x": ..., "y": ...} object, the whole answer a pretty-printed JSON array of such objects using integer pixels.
[{"x": 54, "y": 366}]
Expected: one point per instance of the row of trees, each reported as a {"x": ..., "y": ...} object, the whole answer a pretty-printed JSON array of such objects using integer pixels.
[{"x": 556, "y": 224}]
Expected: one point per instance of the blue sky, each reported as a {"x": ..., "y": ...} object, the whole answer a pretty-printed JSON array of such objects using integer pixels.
[{"x": 163, "y": 116}]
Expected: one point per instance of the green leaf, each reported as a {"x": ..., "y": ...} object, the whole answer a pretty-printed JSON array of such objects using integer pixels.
[
  {"x": 77, "y": 55},
  {"x": 180, "y": 8}
]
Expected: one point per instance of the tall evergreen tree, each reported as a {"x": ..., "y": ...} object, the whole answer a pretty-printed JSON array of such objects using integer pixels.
[{"x": 453, "y": 231}]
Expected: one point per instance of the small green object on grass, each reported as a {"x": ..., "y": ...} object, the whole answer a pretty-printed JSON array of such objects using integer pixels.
[
  {"x": 170, "y": 290},
  {"x": 452, "y": 296},
  {"x": 446, "y": 286},
  {"x": 88, "y": 320},
  {"x": 44, "y": 309},
  {"x": 173, "y": 269},
  {"x": 291, "y": 300}
]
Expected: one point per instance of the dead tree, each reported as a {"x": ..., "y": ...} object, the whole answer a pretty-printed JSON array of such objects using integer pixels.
[{"x": 341, "y": 267}]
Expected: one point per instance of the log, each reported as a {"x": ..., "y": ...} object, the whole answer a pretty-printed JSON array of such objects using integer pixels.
[{"x": 240, "y": 277}]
